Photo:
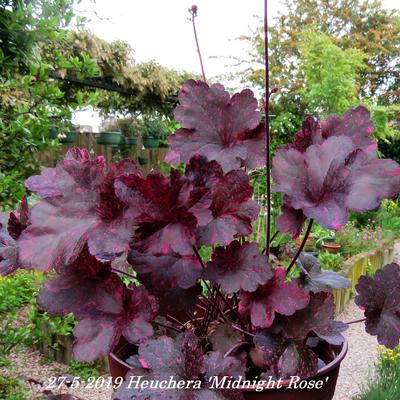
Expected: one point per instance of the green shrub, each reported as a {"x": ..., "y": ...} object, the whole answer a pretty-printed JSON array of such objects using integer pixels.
[
  {"x": 12, "y": 389},
  {"x": 330, "y": 261},
  {"x": 18, "y": 289}
]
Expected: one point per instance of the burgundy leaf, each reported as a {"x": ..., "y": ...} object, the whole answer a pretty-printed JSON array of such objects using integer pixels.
[
  {"x": 355, "y": 124},
  {"x": 317, "y": 317},
  {"x": 181, "y": 270},
  {"x": 172, "y": 299},
  {"x": 328, "y": 179},
  {"x": 313, "y": 279},
  {"x": 233, "y": 211},
  {"x": 79, "y": 207},
  {"x": 276, "y": 295},
  {"x": 77, "y": 287},
  {"x": 216, "y": 126},
  {"x": 166, "y": 211},
  {"x": 238, "y": 266},
  {"x": 379, "y": 297},
  {"x": 19, "y": 220},
  {"x": 124, "y": 311},
  {"x": 290, "y": 221},
  {"x": 298, "y": 360},
  {"x": 8, "y": 248},
  {"x": 271, "y": 346},
  {"x": 181, "y": 359}
]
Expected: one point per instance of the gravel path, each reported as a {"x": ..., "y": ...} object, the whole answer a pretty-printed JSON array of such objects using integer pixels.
[
  {"x": 28, "y": 363},
  {"x": 358, "y": 365}
]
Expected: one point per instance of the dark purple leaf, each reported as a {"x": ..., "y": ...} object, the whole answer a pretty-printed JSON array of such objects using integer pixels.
[
  {"x": 216, "y": 126},
  {"x": 313, "y": 279},
  {"x": 19, "y": 220},
  {"x": 276, "y": 295},
  {"x": 290, "y": 221},
  {"x": 166, "y": 211},
  {"x": 238, "y": 266},
  {"x": 124, "y": 311},
  {"x": 328, "y": 179},
  {"x": 8, "y": 248},
  {"x": 317, "y": 317},
  {"x": 77, "y": 287},
  {"x": 172, "y": 268},
  {"x": 355, "y": 124},
  {"x": 271, "y": 346},
  {"x": 79, "y": 207},
  {"x": 379, "y": 297},
  {"x": 172, "y": 299},
  {"x": 298, "y": 360},
  {"x": 181, "y": 359},
  {"x": 233, "y": 211}
]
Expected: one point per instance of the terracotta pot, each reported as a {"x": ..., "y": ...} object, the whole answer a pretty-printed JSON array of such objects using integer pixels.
[
  {"x": 309, "y": 242},
  {"x": 332, "y": 355},
  {"x": 332, "y": 248}
]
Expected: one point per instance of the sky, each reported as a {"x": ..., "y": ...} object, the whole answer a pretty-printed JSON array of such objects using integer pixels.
[{"x": 160, "y": 30}]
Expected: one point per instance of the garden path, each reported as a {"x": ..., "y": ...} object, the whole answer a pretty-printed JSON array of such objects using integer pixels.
[{"x": 358, "y": 365}]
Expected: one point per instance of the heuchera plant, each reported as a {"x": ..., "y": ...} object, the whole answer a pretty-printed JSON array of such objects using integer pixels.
[{"x": 236, "y": 313}]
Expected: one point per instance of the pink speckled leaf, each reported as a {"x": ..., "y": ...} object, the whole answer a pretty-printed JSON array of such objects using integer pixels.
[
  {"x": 379, "y": 297},
  {"x": 276, "y": 296},
  {"x": 216, "y": 126},
  {"x": 165, "y": 211},
  {"x": 298, "y": 360},
  {"x": 238, "y": 267},
  {"x": 79, "y": 207},
  {"x": 76, "y": 287}
]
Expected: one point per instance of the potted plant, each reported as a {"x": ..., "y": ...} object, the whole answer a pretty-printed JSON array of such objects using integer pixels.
[
  {"x": 130, "y": 254},
  {"x": 68, "y": 137},
  {"x": 110, "y": 134},
  {"x": 329, "y": 244},
  {"x": 196, "y": 320},
  {"x": 128, "y": 128},
  {"x": 152, "y": 129}
]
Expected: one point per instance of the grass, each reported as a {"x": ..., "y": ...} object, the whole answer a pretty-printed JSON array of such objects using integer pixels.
[{"x": 386, "y": 383}]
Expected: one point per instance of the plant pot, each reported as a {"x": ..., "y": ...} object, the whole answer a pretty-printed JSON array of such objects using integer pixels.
[
  {"x": 151, "y": 143},
  {"x": 332, "y": 355},
  {"x": 131, "y": 141},
  {"x": 69, "y": 138},
  {"x": 143, "y": 160},
  {"x": 309, "y": 242},
  {"x": 332, "y": 248},
  {"x": 110, "y": 138}
]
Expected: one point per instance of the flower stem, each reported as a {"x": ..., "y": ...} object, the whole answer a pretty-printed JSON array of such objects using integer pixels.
[
  {"x": 123, "y": 272},
  {"x": 356, "y": 321},
  {"x": 303, "y": 243},
  {"x": 193, "y": 13},
  {"x": 267, "y": 133}
]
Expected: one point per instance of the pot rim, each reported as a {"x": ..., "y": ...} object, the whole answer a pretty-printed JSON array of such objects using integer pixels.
[
  {"x": 332, "y": 244},
  {"x": 285, "y": 382}
]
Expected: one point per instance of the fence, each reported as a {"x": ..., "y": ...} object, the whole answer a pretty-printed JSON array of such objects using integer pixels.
[
  {"x": 87, "y": 140},
  {"x": 358, "y": 265}
]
